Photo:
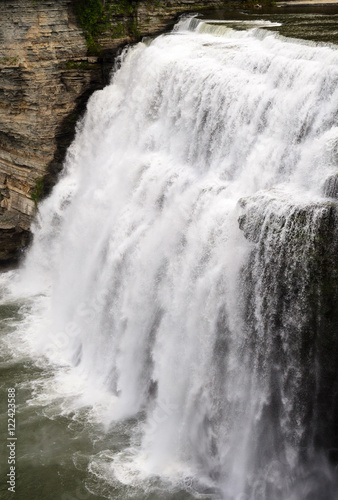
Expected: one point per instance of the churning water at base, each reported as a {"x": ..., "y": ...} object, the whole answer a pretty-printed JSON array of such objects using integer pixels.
[{"x": 182, "y": 279}]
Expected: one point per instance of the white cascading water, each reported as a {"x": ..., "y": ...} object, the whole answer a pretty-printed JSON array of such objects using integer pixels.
[{"x": 139, "y": 256}]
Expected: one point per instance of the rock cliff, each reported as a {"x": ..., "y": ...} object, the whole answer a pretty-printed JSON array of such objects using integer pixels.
[
  {"x": 290, "y": 293},
  {"x": 53, "y": 55}
]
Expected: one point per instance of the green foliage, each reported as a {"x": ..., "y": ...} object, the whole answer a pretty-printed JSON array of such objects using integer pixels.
[
  {"x": 133, "y": 29},
  {"x": 118, "y": 31},
  {"x": 113, "y": 18},
  {"x": 154, "y": 4},
  {"x": 92, "y": 19},
  {"x": 96, "y": 17},
  {"x": 9, "y": 61},
  {"x": 89, "y": 14},
  {"x": 81, "y": 65},
  {"x": 37, "y": 190},
  {"x": 123, "y": 7}
]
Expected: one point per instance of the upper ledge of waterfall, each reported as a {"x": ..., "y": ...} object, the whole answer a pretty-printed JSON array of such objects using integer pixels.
[{"x": 266, "y": 213}]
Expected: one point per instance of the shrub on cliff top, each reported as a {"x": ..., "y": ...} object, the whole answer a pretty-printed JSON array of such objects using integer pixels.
[
  {"x": 90, "y": 15},
  {"x": 94, "y": 17}
]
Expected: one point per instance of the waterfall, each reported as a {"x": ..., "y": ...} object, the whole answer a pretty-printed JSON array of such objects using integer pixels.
[{"x": 184, "y": 266}]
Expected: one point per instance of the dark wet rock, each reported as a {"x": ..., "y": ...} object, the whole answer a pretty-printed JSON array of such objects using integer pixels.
[
  {"x": 290, "y": 300},
  {"x": 13, "y": 238},
  {"x": 330, "y": 188}
]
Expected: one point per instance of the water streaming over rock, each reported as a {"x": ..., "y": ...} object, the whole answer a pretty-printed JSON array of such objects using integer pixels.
[{"x": 188, "y": 262}]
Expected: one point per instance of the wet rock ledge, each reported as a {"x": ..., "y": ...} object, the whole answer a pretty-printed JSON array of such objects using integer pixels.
[
  {"x": 53, "y": 55},
  {"x": 290, "y": 296}
]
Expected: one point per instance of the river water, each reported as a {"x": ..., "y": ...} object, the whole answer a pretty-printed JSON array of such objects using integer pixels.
[{"x": 137, "y": 332}]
